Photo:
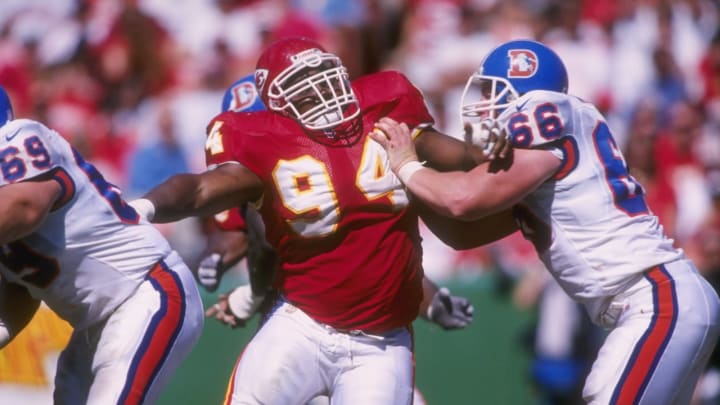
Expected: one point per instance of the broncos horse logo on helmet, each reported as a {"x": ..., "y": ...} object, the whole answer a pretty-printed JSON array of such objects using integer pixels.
[
  {"x": 509, "y": 71},
  {"x": 523, "y": 63},
  {"x": 242, "y": 96}
]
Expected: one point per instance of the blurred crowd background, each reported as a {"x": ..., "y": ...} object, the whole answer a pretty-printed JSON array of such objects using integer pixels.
[{"x": 133, "y": 83}]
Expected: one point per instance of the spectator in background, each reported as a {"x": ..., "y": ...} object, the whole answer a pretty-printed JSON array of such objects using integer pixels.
[
  {"x": 705, "y": 249},
  {"x": 710, "y": 77},
  {"x": 580, "y": 42},
  {"x": 677, "y": 159},
  {"x": 641, "y": 158},
  {"x": 155, "y": 161},
  {"x": 668, "y": 86}
]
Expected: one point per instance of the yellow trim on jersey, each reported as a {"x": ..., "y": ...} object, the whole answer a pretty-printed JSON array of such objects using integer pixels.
[{"x": 418, "y": 130}]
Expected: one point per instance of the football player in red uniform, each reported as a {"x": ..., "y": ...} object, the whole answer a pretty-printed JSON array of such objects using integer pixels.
[
  {"x": 231, "y": 238},
  {"x": 343, "y": 226}
]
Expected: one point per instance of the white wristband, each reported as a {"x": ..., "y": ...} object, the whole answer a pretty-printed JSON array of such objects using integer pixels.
[
  {"x": 144, "y": 207},
  {"x": 408, "y": 169},
  {"x": 243, "y": 303}
]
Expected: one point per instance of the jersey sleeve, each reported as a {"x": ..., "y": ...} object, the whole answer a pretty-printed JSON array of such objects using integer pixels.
[
  {"x": 230, "y": 220},
  {"x": 410, "y": 107},
  {"x": 220, "y": 140},
  {"x": 29, "y": 149}
]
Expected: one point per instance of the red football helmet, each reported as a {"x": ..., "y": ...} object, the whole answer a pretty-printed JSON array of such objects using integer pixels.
[{"x": 298, "y": 78}]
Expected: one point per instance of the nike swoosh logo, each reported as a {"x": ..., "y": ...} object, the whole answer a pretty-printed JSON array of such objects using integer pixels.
[
  {"x": 521, "y": 106},
  {"x": 9, "y": 137}
]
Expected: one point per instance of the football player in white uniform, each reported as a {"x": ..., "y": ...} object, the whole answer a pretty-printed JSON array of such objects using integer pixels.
[
  {"x": 68, "y": 239},
  {"x": 566, "y": 187}
]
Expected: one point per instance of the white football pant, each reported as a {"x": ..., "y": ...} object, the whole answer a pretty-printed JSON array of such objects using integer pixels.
[
  {"x": 293, "y": 359},
  {"x": 129, "y": 358}
]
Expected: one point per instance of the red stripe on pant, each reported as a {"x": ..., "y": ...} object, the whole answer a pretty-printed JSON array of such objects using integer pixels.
[
  {"x": 231, "y": 384},
  {"x": 652, "y": 344},
  {"x": 159, "y": 337}
]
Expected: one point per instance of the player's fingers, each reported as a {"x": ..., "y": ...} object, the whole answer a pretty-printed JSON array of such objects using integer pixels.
[
  {"x": 489, "y": 150},
  {"x": 502, "y": 143},
  {"x": 393, "y": 130},
  {"x": 497, "y": 141},
  {"x": 213, "y": 310},
  {"x": 230, "y": 321},
  {"x": 467, "y": 132},
  {"x": 379, "y": 136},
  {"x": 386, "y": 129},
  {"x": 404, "y": 130},
  {"x": 505, "y": 149},
  {"x": 388, "y": 121}
]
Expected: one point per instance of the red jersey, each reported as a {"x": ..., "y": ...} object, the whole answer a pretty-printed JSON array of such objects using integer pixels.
[
  {"x": 334, "y": 211},
  {"x": 230, "y": 220}
]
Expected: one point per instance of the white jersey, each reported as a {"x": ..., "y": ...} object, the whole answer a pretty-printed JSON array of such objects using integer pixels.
[
  {"x": 92, "y": 252},
  {"x": 589, "y": 223}
]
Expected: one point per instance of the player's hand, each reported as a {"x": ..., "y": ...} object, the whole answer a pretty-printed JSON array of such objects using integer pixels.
[
  {"x": 236, "y": 308},
  {"x": 223, "y": 251},
  {"x": 449, "y": 311},
  {"x": 489, "y": 136},
  {"x": 396, "y": 139},
  {"x": 210, "y": 271},
  {"x": 221, "y": 311}
]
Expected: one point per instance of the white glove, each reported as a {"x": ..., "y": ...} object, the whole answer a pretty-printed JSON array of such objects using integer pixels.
[
  {"x": 484, "y": 134},
  {"x": 449, "y": 311},
  {"x": 144, "y": 207},
  {"x": 208, "y": 274},
  {"x": 243, "y": 303}
]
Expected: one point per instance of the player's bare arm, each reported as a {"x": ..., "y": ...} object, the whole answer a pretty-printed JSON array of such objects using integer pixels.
[
  {"x": 17, "y": 308},
  {"x": 444, "y": 153},
  {"x": 241, "y": 304},
  {"x": 262, "y": 258},
  {"x": 458, "y": 233},
  {"x": 24, "y": 206},
  {"x": 185, "y": 195},
  {"x": 481, "y": 192},
  {"x": 231, "y": 246}
]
